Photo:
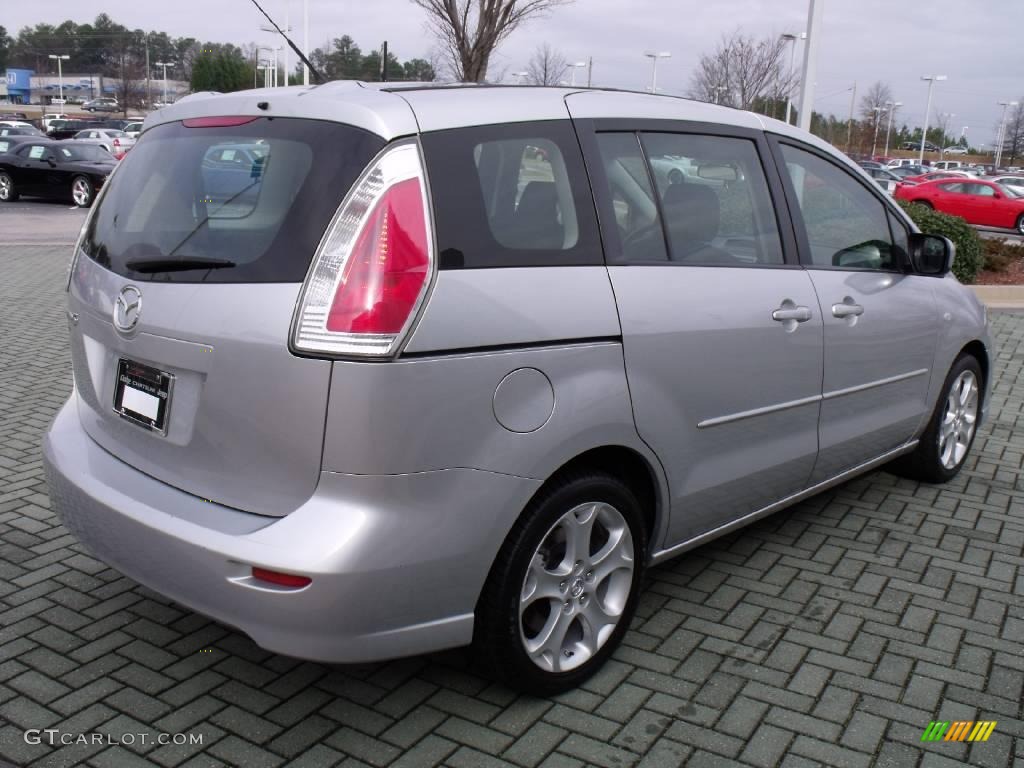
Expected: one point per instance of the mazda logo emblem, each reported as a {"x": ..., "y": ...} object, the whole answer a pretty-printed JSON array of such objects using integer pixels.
[{"x": 127, "y": 308}]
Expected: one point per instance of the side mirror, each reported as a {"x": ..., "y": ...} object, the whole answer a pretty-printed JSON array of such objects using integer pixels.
[
  {"x": 931, "y": 254},
  {"x": 52, "y": 161}
]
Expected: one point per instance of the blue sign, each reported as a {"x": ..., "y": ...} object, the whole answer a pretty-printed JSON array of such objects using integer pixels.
[{"x": 19, "y": 79}]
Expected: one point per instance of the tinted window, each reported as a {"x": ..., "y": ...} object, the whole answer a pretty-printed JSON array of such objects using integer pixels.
[
  {"x": 981, "y": 190},
  {"x": 714, "y": 199},
  {"x": 846, "y": 225},
  {"x": 636, "y": 214},
  {"x": 956, "y": 188},
  {"x": 514, "y": 195},
  {"x": 170, "y": 200}
]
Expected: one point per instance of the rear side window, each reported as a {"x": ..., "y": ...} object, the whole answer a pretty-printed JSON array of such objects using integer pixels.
[
  {"x": 256, "y": 198},
  {"x": 511, "y": 196}
]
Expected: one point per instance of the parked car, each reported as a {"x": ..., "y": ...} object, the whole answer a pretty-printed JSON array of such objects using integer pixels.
[
  {"x": 133, "y": 129},
  {"x": 885, "y": 178},
  {"x": 13, "y": 116},
  {"x": 1016, "y": 183},
  {"x": 103, "y": 104},
  {"x": 49, "y": 117},
  {"x": 899, "y": 162},
  {"x": 978, "y": 202},
  {"x": 870, "y": 164},
  {"x": 10, "y": 143},
  {"x": 66, "y": 129},
  {"x": 906, "y": 171},
  {"x": 564, "y": 349},
  {"x": 116, "y": 143},
  {"x": 915, "y": 146},
  {"x": 25, "y": 130},
  {"x": 948, "y": 165},
  {"x": 955, "y": 150},
  {"x": 62, "y": 170},
  {"x": 937, "y": 175}
]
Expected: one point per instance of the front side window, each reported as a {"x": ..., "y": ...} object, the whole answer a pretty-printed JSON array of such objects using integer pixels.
[
  {"x": 847, "y": 226},
  {"x": 715, "y": 200},
  {"x": 512, "y": 195},
  {"x": 981, "y": 190}
]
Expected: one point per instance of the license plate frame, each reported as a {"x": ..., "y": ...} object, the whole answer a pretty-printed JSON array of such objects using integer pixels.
[{"x": 149, "y": 393}]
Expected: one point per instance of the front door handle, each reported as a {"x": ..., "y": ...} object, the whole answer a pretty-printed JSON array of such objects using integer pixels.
[
  {"x": 799, "y": 314},
  {"x": 847, "y": 310}
]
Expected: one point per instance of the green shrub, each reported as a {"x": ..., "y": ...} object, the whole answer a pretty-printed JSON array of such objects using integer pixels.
[
  {"x": 1001, "y": 254},
  {"x": 969, "y": 258}
]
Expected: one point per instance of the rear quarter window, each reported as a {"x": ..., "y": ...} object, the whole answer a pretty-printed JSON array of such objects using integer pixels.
[{"x": 511, "y": 196}]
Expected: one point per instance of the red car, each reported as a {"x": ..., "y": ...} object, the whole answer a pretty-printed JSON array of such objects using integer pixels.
[
  {"x": 936, "y": 176},
  {"x": 977, "y": 201}
]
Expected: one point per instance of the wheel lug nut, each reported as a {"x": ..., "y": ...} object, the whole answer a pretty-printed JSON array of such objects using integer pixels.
[
  {"x": 590, "y": 575},
  {"x": 562, "y": 586}
]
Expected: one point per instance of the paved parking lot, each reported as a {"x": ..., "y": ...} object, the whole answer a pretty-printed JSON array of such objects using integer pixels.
[{"x": 828, "y": 634}]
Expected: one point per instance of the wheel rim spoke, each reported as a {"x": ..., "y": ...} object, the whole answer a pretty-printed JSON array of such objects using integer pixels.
[{"x": 959, "y": 420}]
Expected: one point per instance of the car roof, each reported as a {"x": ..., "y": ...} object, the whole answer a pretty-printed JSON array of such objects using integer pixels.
[{"x": 395, "y": 109}]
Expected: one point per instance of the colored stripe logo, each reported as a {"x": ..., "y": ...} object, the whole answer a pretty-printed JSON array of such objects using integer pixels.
[{"x": 960, "y": 730}]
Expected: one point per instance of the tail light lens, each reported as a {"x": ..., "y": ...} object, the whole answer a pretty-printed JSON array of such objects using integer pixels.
[{"x": 373, "y": 266}]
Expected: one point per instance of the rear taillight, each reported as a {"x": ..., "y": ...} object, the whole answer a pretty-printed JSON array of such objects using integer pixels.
[{"x": 373, "y": 266}]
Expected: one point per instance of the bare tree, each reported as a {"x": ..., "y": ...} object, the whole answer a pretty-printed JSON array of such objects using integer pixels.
[
  {"x": 547, "y": 67},
  {"x": 470, "y": 30},
  {"x": 1013, "y": 136},
  {"x": 742, "y": 71},
  {"x": 873, "y": 106}
]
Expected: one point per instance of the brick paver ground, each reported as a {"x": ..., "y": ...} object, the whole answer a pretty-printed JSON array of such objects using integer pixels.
[{"x": 828, "y": 634}]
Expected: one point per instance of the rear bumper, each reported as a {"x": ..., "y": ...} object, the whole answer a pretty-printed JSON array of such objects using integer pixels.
[{"x": 397, "y": 561}]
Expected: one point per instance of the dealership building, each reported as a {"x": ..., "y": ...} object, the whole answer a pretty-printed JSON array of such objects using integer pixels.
[{"x": 23, "y": 86}]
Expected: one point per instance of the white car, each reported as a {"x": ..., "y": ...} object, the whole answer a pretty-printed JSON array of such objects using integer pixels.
[
  {"x": 49, "y": 117},
  {"x": 115, "y": 142},
  {"x": 955, "y": 150},
  {"x": 1015, "y": 182},
  {"x": 901, "y": 161},
  {"x": 949, "y": 165},
  {"x": 132, "y": 130}
]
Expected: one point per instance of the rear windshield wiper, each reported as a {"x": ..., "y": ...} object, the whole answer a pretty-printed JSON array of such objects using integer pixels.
[{"x": 176, "y": 265}]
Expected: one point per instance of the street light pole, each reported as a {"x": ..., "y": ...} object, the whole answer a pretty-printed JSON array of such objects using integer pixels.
[
  {"x": 807, "y": 82},
  {"x": 892, "y": 105},
  {"x": 60, "y": 76},
  {"x": 654, "y": 56},
  {"x": 792, "y": 37},
  {"x": 574, "y": 67},
  {"x": 305, "y": 40},
  {"x": 165, "y": 65},
  {"x": 932, "y": 79},
  {"x": 1002, "y": 131}
]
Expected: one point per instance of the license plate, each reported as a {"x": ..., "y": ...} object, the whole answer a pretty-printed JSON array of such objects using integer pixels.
[{"x": 143, "y": 394}]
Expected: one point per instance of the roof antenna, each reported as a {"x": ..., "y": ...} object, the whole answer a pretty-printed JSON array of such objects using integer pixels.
[{"x": 300, "y": 54}]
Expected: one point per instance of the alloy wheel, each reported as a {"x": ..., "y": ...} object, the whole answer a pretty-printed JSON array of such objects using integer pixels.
[
  {"x": 576, "y": 587},
  {"x": 5, "y": 187},
  {"x": 80, "y": 192},
  {"x": 959, "y": 419}
]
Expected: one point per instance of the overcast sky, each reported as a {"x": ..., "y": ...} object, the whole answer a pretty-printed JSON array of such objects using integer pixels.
[{"x": 977, "y": 44}]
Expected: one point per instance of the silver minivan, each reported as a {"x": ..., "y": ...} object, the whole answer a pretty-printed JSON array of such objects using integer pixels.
[{"x": 370, "y": 371}]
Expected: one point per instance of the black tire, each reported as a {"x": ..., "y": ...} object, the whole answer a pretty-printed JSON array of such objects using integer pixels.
[
  {"x": 82, "y": 191},
  {"x": 497, "y": 641},
  {"x": 924, "y": 463},
  {"x": 924, "y": 204},
  {"x": 8, "y": 192},
  {"x": 1020, "y": 224}
]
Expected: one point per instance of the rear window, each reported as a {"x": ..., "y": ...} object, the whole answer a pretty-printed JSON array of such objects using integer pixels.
[
  {"x": 511, "y": 196},
  {"x": 254, "y": 198}
]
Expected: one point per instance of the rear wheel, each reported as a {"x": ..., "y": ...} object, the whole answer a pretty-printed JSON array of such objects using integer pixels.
[
  {"x": 8, "y": 194},
  {"x": 82, "y": 191},
  {"x": 1020, "y": 223},
  {"x": 924, "y": 204},
  {"x": 564, "y": 586},
  {"x": 944, "y": 446}
]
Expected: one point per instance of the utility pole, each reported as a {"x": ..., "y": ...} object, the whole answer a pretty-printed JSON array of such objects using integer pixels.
[
  {"x": 288, "y": 48},
  {"x": 384, "y": 62},
  {"x": 927, "y": 110},
  {"x": 149, "y": 89},
  {"x": 878, "y": 119},
  {"x": 590, "y": 70},
  {"x": 810, "y": 63},
  {"x": 305, "y": 40},
  {"x": 892, "y": 105},
  {"x": 849, "y": 129}
]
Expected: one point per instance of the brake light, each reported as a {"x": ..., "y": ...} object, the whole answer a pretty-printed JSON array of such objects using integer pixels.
[
  {"x": 373, "y": 266},
  {"x": 217, "y": 122},
  {"x": 117, "y": 142}
]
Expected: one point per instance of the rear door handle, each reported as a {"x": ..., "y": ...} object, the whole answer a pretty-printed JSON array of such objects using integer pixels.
[
  {"x": 847, "y": 310},
  {"x": 800, "y": 314}
]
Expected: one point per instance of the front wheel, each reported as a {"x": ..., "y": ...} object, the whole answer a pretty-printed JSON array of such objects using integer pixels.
[
  {"x": 1020, "y": 223},
  {"x": 564, "y": 586},
  {"x": 924, "y": 204},
  {"x": 944, "y": 446},
  {"x": 82, "y": 191},
  {"x": 8, "y": 194}
]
